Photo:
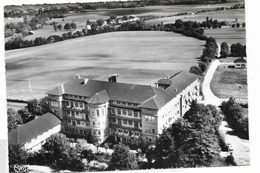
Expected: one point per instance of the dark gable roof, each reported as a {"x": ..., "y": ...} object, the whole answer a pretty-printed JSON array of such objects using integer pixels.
[
  {"x": 240, "y": 60},
  {"x": 32, "y": 129},
  {"x": 146, "y": 96}
]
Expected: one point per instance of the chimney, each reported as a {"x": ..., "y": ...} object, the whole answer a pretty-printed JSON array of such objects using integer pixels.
[
  {"x": 61, "y": 89},
  {"x": 156, "y": 84},
  {"x": 85, "y": 80},
  {"x": 113, "y": 78}
]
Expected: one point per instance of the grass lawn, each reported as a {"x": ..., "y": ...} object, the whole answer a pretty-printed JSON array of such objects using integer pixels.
[
  {"x": 229, "y": 35},
  {"x": 229, "y": 82},
  {"x": 138, "y": 57}
]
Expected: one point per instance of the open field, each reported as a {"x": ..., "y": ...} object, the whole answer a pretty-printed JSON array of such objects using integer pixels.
[
  {"x": 228, "y": 15},
  {"x": 148, "y": 11},
  {"x": 229, "y": 35},
  {"x": 138, "y": 57},
  {"x": 228, "y": 82}
]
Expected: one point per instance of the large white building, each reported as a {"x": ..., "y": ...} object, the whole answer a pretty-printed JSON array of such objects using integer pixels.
[
  {"x": 129, "y": 112},
  {"x": 32, "y": 135}
]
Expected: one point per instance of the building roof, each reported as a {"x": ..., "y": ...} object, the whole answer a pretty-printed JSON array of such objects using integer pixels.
[
  {"x": 144, "y": 95},
  {"x": 240, "y": 60},
  {"x": 32, "y": 129}
]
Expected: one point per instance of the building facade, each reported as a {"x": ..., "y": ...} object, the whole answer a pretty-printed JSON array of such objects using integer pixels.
[
  {"x": 129, "y": 112},
  {"x": 32, "y": 135}
]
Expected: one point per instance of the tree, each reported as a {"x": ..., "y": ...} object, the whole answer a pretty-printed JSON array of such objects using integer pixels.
[
  {"x": 202, "y": 66},
  {"x": 224, "y": 50},
  {"x": 55, "y": 27},
  {"x": 67, "y": 26},
  {"x": 191, "y": 140},
  {"x": 238, "y": 25},
  {"x": 195, "y": 70},
  {"x": 122, "y": 159},
  {"x": 25, "y": 115},
  {"x": 73, "y": 26},
  {"x": 56, "y": 150},
  {"x": 13, "y": 119},
  {"x": 100, "y": 22},
  {"x": 88, "y": 155},
  {"x": 237, "y": 50},
  {"x": 59, "y": 27},
  {"x": 16, "y": 155},
  {"x": 34, "y": 107}
]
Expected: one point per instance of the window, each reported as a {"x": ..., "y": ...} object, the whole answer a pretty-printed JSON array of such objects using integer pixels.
[
  {"x": 130, "y": 112},
  {"x": 137, "y": 134},
  {"x": 114, "y": 120},
  {"x": 103, "y": 111},
  {"x": 125, "y": 131},
  {"x": 130, "y": 123},
  {"x": 67, "y": 103},
  {"x": 125, "y": 122},
  {"x": 129, "y": 104},
  {"x": 112, "y": 110},
  {"x": 117, "y": 102},
  {"x": 71, "y": 104},
  {"x": 73, "y": 123},
  {"x": 77, "y": 113},
  {"x": 119, "y": 111},
  {"x": 68, "y": 112},
  {"x": 97, "y": 112},
  {"x": 93, "y": 123},
  {"x": 94, "y": 132},
  {"x": 54, "y": 104},
  {"x": 124, "y": 103},
  {"x": 135, "y": 114},
  {"x": 124, "y": 112},
  {"x": 153, "y": 130},
  {"x": 81, "y": 131},
  {"x": 81, "y": 105},
  {"x": 140, "y": 124},
  {"x": 69, "y": 121},
  {"x": 98, "y": 132},
  {"x": 76, "y": 104},
  {"x": 73, "y": 113},
  {"x": 78, "y": 122}
]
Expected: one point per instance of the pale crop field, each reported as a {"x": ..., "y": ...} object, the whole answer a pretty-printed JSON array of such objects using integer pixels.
[
  {"x": 228, "y": 15},
  {"x": 138, "y": 57},
  {"x": 229, "y": 35}
]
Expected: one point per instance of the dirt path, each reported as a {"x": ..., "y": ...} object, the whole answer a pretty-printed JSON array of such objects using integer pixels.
[{"x": 241, "y": 147}]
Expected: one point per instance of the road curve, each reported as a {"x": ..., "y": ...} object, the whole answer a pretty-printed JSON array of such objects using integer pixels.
[{"x": 241, "y": 147}]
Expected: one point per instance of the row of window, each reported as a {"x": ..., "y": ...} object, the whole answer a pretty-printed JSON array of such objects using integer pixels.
[
  {"x": 76, "y": 122},
  {"x": 150, "y": 119},
  {"x": 96, "y": 132},
  {"x": 124, "y": 112},
  {"x": 127, "y": 132},
  {"x": 75, "y": 96},
  {"x": 75, "y": 104},
  {"x": 98, "y": 113},
  {"x": 125, "y": 122},
  {"x": 149, "y": 130},
  {"x": 124, "y": 103},
  {"x": 54, "y": 104},
  {"x": 78, "y": 131},
  {"x": 76, "y": 114}
]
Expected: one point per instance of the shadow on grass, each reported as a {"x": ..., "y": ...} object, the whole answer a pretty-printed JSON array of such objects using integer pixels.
[{"x": 240, "y": 135}]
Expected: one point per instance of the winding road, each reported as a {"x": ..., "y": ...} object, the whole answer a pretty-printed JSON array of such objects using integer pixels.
[{"x": 241, "y": 152}]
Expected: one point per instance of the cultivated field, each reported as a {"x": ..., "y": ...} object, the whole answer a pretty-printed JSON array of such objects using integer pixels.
[
  {"x": 228, "y": 15},
  {"x": 138, "y": 57},
  {"x": 228, "y": 82},
  {"x": 229, "y": 35}
]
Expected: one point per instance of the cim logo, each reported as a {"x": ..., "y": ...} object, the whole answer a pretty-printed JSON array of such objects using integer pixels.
[{"x": 19, "y": 168}]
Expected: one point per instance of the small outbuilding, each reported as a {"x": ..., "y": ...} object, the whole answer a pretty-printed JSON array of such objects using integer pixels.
[{"x": 241, "y": 63}]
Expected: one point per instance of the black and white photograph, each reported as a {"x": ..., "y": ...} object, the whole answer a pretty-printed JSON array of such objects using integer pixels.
[{"x": 137, "y": 85}]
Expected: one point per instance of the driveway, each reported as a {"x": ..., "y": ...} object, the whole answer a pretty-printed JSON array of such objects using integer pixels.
[{"x": 241, "y": 147}]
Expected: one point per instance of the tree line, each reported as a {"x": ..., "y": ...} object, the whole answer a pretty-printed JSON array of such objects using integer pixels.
[{"x": 235, "y": 116}]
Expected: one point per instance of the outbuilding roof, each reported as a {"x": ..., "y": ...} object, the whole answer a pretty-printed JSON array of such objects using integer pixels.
[{"x": 32, "y": 129}]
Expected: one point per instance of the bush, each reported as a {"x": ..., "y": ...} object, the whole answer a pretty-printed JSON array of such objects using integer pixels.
[{"x": 195, "y": 70}]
